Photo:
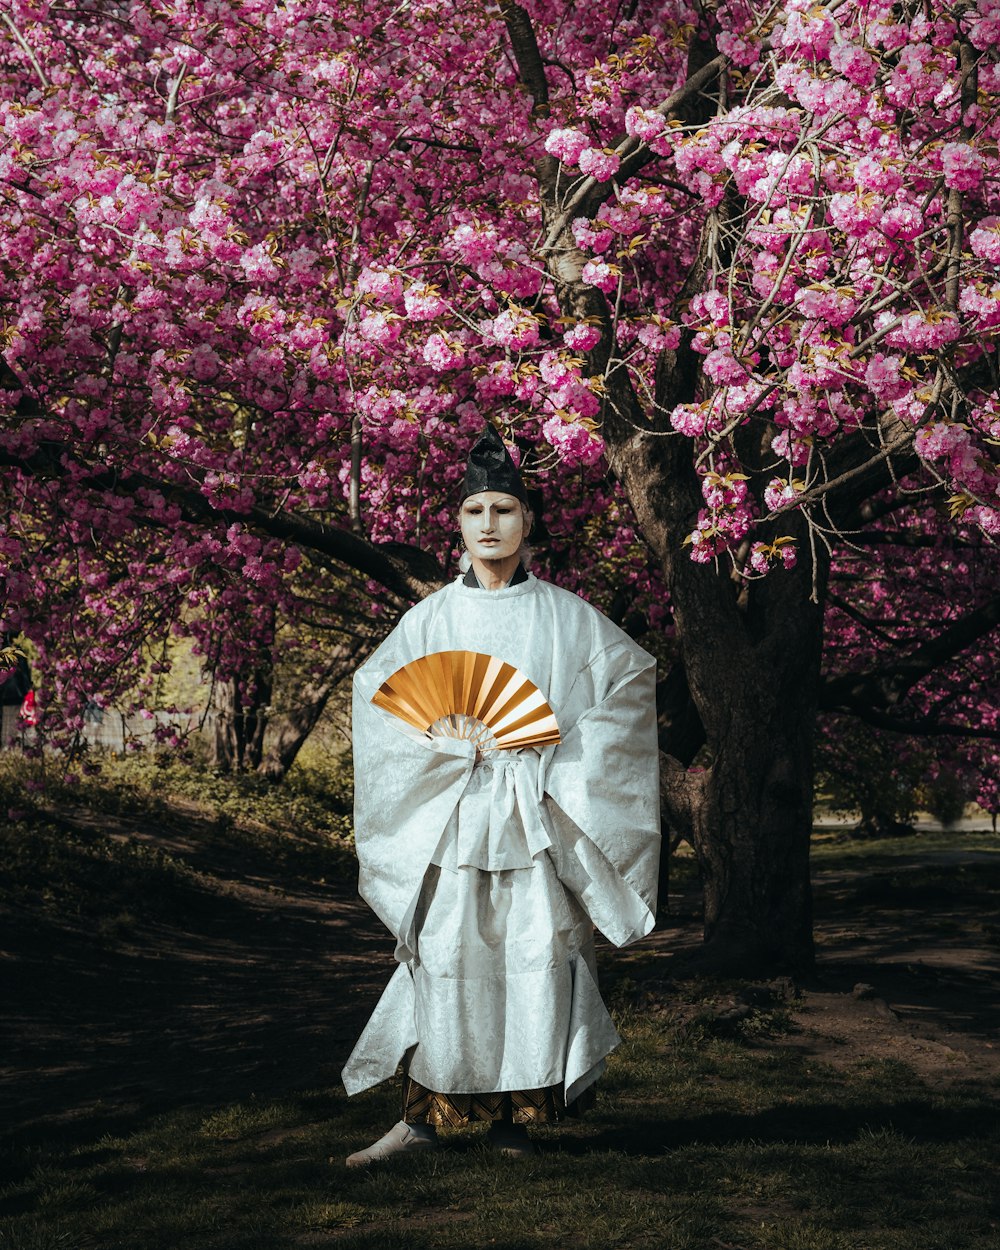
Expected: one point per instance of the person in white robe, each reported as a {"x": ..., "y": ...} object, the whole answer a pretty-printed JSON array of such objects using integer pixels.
[{"x": 492, "y": 868}]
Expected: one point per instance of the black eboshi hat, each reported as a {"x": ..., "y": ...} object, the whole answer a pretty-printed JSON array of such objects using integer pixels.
[{"x": 491, "y": 468}]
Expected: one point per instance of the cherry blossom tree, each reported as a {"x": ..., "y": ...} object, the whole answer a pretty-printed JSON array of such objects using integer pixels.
[
  {"x": 927, "y": 727},
  {"x": 727, "y": 275}
]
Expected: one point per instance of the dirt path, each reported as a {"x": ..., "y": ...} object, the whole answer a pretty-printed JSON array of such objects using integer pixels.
[
  {"x": 265, "y": 986},
  {"x": 908, "y": 965}
]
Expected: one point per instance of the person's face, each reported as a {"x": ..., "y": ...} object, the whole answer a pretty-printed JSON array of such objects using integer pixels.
[{"x": 492, "y": 525}]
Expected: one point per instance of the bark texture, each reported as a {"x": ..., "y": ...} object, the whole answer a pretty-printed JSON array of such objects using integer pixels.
[
  {"x": 239, "y": 721},
  {"x": 288, "y": 730},
  {"x": 748, "y": 813}
]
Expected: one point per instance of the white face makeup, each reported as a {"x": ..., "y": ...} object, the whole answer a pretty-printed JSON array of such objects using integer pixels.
[{"x": 492, "y": 525}]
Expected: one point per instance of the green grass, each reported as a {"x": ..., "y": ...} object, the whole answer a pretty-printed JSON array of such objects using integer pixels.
[
  {"x": 316, "y": 798},
  {"x": 694, "y": 1144},
  {"x": 699, "y": 1141},
  {"x": 86, "y": 850},
  {"x": 75, "y": 877},
  {"x": 831, "y": 850},
  {"x": 951, "y": 881}
]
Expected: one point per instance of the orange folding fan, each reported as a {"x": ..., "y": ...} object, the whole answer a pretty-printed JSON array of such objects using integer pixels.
[{"x": 465, "y": 694}]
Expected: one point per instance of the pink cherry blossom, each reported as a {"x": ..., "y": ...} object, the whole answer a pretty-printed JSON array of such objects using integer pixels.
[
  {"x": 341, "y": 229},
  {"x": 566, "y": 144},
  {"x": 601, "y": 164},
  {"x": 601, "y": 274},
  {"x": 962, "y": 165},
  {"x": 582, "y": 336}
]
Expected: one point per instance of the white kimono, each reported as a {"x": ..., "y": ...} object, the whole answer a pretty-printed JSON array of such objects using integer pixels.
[{"x": 491, "y": 876}]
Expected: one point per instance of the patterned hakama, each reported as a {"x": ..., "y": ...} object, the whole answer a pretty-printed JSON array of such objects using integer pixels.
[{"x": 519, "y": 1106}]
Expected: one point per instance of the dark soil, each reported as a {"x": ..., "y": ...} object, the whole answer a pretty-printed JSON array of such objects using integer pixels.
[{"x": 908, "y": 965}]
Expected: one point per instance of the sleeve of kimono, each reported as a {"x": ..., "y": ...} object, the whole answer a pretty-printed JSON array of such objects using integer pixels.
[
  {"x": 603, "y": 797},
  {"x": 406, "y": 788}
]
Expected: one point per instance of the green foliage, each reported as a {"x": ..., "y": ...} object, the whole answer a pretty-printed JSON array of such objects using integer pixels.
[
  {"x": 860, "y": 769},
  {"x": 88, "y": 848},
  {"x": 946, "y": 796},
  {"x": 9, "y": 656},
  {"x": 888, "y": 778},
  {"x": 316, "y": 798},
  {"x": 64, "y": 872}
]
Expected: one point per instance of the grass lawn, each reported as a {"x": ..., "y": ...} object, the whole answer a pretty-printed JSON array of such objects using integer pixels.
[
  {"x": 695, "y": 1143},
  {"x": 703, "y": 1138}
]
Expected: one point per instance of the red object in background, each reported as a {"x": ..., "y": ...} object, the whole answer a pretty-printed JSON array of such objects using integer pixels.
[{"x": 28, "y": 715}]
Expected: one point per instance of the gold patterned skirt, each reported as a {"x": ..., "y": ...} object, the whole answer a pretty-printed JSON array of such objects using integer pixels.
[{"x": 521, "y": 1106}]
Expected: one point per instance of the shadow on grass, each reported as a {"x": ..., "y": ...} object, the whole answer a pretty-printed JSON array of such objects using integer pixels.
[
  {"x": 133, "y": 983},
  {"x": 173, "y": 1034},
  {"x": 804, "y": 1122}
]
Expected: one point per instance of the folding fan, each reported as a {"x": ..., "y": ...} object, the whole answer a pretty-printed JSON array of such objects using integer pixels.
[{"x": 465, "y": 694}]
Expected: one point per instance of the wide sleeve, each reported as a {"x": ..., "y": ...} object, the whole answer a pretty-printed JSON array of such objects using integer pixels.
[
  {"x": 602, "y": 794},
  {"x": 406, "y": 788}
]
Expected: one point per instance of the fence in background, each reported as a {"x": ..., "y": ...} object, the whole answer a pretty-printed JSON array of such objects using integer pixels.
[{"x": 106, "y": 728}]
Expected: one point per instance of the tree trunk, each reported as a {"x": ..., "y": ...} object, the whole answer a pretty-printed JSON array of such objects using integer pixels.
[
  {"x": 750, "y": 650},
  {"x": 749, "y": 818},
  {"x": 289, "y": 730},
  {"x": 226, "y": 750},
  {"x": 751, "y": 827},
  {"x": 239, "y": 722},
  {"x": 753, "y": 674}
]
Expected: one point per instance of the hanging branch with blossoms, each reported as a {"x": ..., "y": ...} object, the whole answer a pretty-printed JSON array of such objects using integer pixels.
[
  {"x": 278, "y": 219},
  {"x": 848, "y": 164}
]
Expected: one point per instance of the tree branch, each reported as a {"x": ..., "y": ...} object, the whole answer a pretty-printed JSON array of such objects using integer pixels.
[
  {"x": 886, "y": 685},
  {"x": 531, "y": 71},
  {"x": 924, "y": 727},
  {"x": 405, "y": 571},
  {"x": 530, "y": 66},
  {"x": 633, "y": 154},
  {"x": 25, "y": 48},
  {"x": 900, "y": 538},
  {"x": 871, "y": 471},
  {"x": 865, "y": 622}
]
